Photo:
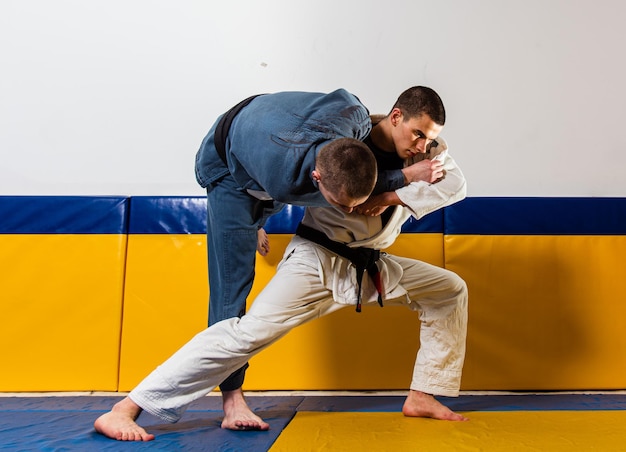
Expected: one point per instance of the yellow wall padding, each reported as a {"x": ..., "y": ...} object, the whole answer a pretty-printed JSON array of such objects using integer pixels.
[
  {"x": 165, "y": 300},
  {"x": 546, "y": 312},
  {"x": 61, "y": 311},
  {"x": 166, "y": 304},
  {"x": 374, "y": 349}
]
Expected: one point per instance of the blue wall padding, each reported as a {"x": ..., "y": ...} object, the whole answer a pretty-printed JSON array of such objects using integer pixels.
[
  {"x": 167, "y": 215},
  {"x": 286, "y": 221},
  {"x": 187, "y": 215},
  {"x": 431, "y": 223},
  {"x": 537, "y": 216},
  {"x": 63, "y": 215}
]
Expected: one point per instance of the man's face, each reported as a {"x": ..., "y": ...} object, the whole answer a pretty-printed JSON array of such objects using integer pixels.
[
  {"x": 339, "y": 200},
  {"x": 412, "y": 137}
]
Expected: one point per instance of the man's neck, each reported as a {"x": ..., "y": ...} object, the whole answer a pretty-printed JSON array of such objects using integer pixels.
[{"x": 381, "y": 135}]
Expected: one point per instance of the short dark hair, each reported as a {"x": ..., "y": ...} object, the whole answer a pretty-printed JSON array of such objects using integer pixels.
[
  {"x": 349, "y": 166},
  {"x": 420, "y": 100}
]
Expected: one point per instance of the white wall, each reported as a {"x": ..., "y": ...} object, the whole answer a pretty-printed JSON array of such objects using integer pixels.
[{"x": 113, "y": 97}]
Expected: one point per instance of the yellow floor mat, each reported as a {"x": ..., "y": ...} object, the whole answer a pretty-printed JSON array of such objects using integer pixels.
[{"x": 544, "y": 431}]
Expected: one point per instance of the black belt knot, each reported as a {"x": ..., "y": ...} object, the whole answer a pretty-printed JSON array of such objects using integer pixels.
[{"x": 362, "y": 258}]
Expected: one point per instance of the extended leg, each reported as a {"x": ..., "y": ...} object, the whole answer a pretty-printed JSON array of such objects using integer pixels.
[{"x": 294, "y": 296}]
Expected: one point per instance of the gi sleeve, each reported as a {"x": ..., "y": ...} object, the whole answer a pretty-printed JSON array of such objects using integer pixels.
[
  {"x": 422, "y": 198},
  {"x": 388, "y": 180}
]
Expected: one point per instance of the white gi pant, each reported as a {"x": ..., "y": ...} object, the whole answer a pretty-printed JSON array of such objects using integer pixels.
[{"x": 294, "y": 296}]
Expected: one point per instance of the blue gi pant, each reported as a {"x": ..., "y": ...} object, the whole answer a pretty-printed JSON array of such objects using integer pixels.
[{"x": 233, "y": 220}]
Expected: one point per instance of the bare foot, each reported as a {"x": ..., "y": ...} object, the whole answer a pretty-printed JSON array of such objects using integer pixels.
[
  {"x": 119, "y": 423},
  {"x": 237, "y": 414},
  {"x": 262, "y": 242},
  {"x": 419, "y": 404}
]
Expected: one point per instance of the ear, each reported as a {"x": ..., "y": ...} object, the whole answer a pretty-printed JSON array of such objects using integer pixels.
[
  {"x": 395, "y": 116},
  {"x": 315, "y": 175}
]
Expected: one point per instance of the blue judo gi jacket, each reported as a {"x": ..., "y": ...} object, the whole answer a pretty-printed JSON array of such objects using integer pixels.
[{"x": 273, "y": 141}]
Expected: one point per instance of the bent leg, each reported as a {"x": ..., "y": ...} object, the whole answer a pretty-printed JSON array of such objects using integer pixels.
[
  {"x": 233, "y": 221},
  {"x": 441, "y": 299}
]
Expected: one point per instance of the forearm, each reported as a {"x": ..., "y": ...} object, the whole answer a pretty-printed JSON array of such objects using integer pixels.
[
  {"x": 389, "y": 180},
  {"x": 389, "y": 198},
  {"x": 422, "y": 198}
]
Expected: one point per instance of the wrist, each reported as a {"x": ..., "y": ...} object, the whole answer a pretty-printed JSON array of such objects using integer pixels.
[
  {"x": 406, "y": 179},
  {"x": 391, "y": 199}
]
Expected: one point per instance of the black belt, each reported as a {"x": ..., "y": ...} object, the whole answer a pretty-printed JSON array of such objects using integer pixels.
[
  {"x": 362, "y": 258},
  {"x": 223, "y": 126}
]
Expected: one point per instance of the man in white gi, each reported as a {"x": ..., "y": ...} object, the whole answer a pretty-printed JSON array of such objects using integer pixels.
[{"x": 314, "y": 279}]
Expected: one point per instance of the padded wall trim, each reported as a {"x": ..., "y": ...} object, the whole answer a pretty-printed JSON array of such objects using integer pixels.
[
  {"x": 537, "y": 216},
  {"x": 167, "y": 215},
  {"x": 63, "y": 215},
  {"x": 187, "y": 215},
  {"x": 286, "y": 221},
  {"x": 431, "y": 223}
]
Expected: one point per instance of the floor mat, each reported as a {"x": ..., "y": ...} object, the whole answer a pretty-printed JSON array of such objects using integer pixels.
[
  {"x": 486, "y": 431},
  {"x": 66, "y": 424},
  {"x": 333, "y": 423}
]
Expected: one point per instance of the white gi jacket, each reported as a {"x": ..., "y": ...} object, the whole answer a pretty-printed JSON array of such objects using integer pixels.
[{"x": 356, "y": 230}]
